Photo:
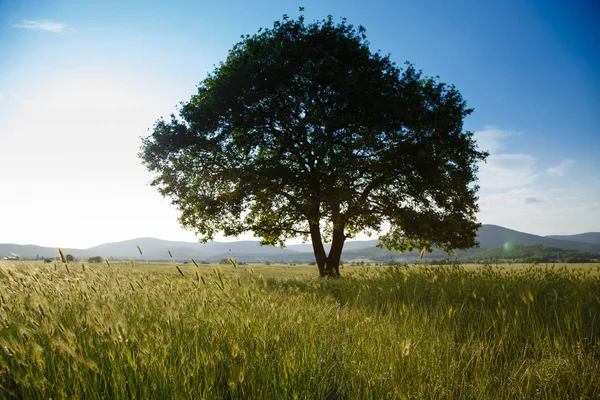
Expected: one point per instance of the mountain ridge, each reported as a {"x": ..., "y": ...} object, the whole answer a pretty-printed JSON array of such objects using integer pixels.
[
  {"x": 587, "y": 237},
  {"x": 489, "y": 236},
  {"x": 497, "y": 236}
]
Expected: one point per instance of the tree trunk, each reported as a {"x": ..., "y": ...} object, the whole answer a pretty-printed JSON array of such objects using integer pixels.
[
  {"x": 319, "y": 250},
  {"x": 335, "y": 253}
]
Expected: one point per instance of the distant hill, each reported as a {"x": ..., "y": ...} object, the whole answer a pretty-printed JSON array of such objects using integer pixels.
[
  {"x": 27, "y": 250},
  {"x": 530, "y": 253},
  {"x": 489, "y": 236},
  {"x": 156, "y": 249},
  {"x": 589, "y": 237}
]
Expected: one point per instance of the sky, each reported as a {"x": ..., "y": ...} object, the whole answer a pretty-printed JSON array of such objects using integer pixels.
[{"x": 82, "y": 81}]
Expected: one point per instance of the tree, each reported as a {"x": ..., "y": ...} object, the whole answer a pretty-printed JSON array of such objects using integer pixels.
[
  {"x": 96, "y": 259},
  {"x": 70, "y": 257},
  {"x": 303, "y": 131}
]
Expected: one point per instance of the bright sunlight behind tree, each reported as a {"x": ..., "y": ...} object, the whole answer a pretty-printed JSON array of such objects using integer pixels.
[{"x": 303, "y": 131}]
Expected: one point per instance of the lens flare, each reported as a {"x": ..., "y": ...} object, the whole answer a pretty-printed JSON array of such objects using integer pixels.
[{"x": 507, "y": 246}]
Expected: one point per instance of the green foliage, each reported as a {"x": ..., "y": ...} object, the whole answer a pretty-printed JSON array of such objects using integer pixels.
[
  {"x": 70, "y": 257},
  {"x": 303, "y": 131},
  {"x": 96, "y": 259},
  {"x": 426, "y": 332}
]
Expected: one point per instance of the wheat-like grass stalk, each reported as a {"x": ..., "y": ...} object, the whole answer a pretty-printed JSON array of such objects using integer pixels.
[
  {"x": 385, "y": 309},
  {"x": 232, "y": 261},
  {"x": 62, "y": 255}
]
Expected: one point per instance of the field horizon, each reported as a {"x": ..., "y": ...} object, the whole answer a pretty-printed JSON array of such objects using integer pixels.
[{"x": 505, "y": 241}]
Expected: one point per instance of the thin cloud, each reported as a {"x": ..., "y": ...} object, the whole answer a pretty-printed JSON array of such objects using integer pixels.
[
  {"x": 506, "y": 171},
  {"x": 20, "y": 100},
  {"x": 42, "y": 25},
  {"x": 561, "y": 168},
  {"x": 593, "y": 206},
  {"x": 491, "y": 138},
  {"x": 550, "y": 216},
  {"x": 533, "y": 200}
]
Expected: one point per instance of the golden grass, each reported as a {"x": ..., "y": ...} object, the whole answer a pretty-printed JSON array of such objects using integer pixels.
[{"x": 255, "y": 331}]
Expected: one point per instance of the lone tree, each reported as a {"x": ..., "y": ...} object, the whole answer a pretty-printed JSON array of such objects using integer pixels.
[{"x": 303, "y": 131}]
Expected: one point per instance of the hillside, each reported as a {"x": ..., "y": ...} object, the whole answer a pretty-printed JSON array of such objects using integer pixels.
[
  {"x": 492, "y": 236},
  {"x": 489, "y": 236},
  {"x": 29, "y": 251},
  {"x": 530, "y": 253},
  {"x": 156, "y": 249},
  {"x": 588, "y": 237}
]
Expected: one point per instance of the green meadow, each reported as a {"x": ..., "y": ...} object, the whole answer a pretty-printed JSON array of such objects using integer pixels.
[{"x": 169, "y": 331}]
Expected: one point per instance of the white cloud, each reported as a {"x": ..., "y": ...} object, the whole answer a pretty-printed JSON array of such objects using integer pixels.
[
  {"x": 561, "y": 168},
  {"x": 506, "y": 171},
  {"x": 547, "y": 214},
  {"x": 491, "y": 138},
  {"x": 513, "y": 193},
  {"x": 41, "y": 25},
  {"x": 19, "y": 99}
]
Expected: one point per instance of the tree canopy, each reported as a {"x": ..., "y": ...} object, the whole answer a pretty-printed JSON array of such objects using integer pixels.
[{"x": 303, "y": 131}]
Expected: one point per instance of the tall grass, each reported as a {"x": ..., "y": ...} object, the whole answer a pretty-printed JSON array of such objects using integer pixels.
[{"x": 428, "y": 332}]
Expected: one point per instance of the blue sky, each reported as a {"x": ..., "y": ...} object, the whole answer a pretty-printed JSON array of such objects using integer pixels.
[{"x": 81, "y": 81}]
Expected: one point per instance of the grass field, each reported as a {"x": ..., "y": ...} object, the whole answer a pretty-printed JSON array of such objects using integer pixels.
[{"x": 275, "y": 332}]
